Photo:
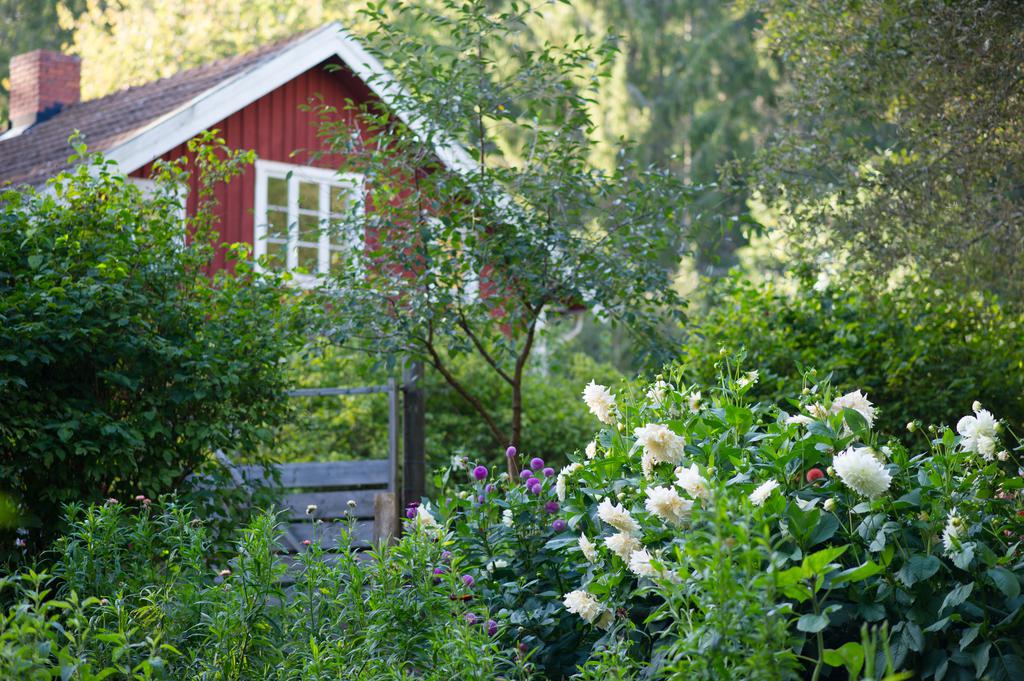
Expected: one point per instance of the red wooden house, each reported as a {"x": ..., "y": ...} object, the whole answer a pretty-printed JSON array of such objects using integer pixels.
[{"x": 255, "y": 101}]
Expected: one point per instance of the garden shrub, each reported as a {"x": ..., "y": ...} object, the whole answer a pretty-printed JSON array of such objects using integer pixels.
[
  {"x": 124, "y": 363},
  {"x": 705, "y": 535},
  {"x": 131, "y": 594},
  {"x": 919, "y": 352}
]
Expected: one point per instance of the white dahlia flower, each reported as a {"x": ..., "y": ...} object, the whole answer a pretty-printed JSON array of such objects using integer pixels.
[
  {"x": 584, "y": 604},
  {"x": 591, "y": 450},
  {"x": 660, "y": 444},
  {"x": 588, "y": 548},
  {"x": 953, "y": 533},
  {"x": 563, "y": 477},
  {"x": 640, "y": 564},
  {"x": 691, "y": 480},
  {"x": 759, "y": 495},
  {"x": 425, "y": 519},
  {"x": 623, "y": 544},
  {"x": 666, "y": 503},
  {"x": 600, "y": 401},
  {"x": 748, "y": 378},
  {"x": 506, "y": 518},
  {"x": 857, "y": 401},
  {"x": 616, "y": 516},
  {"x": 693, "y": 402},
  {"x": 656, "y": 394},
  {"x": 862, "y": 472},
  {"x": 978, "y": 433},
  {"x": 800, "y": 420}
]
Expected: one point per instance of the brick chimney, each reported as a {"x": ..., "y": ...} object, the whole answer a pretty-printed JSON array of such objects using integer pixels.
[{"x": 42, "y": 83}]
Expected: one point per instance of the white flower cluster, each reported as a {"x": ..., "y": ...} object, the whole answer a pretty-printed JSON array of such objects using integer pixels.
[
  {"x": 585, "y": 605},
  {"x": 861, "y": 471},
  {"x": 563, "y": 477},
  {"x": 616, "y": 516},
  {"x": 858, "y": 402},
  {"x": 660, "y": 445},
  {"x": 600, "y": 401},
  {"x": 763, "y": 491},
  {"x": 978, "y": 433},
  {"x": 425, "y": 519},
  {"x": 656, "y": 393},
  {"x": 953, "y": 533},
  {"x": 693, "y": 482},
  {"x": 667, "y": 504}
]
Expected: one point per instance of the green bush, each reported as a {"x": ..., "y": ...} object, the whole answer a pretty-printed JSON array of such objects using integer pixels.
[
  {"x": 741, "y": 541},
  {"x": 918, "y": 352},
  {"x": 131, "y": 595},
  {"x": 123, "y": 363}
]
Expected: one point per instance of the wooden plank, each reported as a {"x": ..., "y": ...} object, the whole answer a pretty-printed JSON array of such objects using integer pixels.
[
  {"x": 330, "y": 505},
  {"x": 326, "y": 534},
  {"x": 385, "y": 517},
  {"x": 326, "y": 474},
  {"x": 414, "y": 436},
  {"x": 332, "y": 392}
]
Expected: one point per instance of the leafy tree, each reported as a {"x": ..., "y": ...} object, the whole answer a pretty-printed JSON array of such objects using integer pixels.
[
  {"x": 902, "y": 145},
  {"x": 475, "y": 259},
  {"x": 123, "y": 363},
  {"x": 27, "y": 25}
]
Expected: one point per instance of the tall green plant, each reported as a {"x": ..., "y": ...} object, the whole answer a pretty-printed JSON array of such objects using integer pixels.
[{"x": 124, "y": 363}]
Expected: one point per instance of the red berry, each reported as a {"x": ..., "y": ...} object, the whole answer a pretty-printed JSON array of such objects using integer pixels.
[{"x": 815, "y": 474}]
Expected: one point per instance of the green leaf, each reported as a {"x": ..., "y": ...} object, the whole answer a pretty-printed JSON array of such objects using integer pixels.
[
  {"x": 980, "y": 658},
  {"x": 957, "y": 596},
  {"x": 34, "y": 261},
  {"x": 1005, "y": 581},
  {"x": 849, "y": 655},
  {"x": 857, "y": 574},
  {"x": 812, "y": 624},
  {"x": 824, "y": 530},
  {"x": 858, "y": 424},
  {"x": 917, "y": 569},
  {"x": 818, "y": 561}
]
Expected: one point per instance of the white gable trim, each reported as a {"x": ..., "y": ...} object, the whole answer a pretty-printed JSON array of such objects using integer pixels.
[{"x": 219, "y": 102}]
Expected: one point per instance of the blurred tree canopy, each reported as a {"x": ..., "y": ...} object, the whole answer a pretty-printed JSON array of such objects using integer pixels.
[
  {"x": 27, "y": 25},
  {"x": 901, "y": 147}
]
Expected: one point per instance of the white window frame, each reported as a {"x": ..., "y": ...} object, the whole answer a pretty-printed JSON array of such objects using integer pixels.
[
  {"x": 293, "y": 174},
  {"x": 149, "y": 188}
]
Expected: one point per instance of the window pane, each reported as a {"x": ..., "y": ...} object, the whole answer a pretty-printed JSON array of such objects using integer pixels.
[
  {"x": 277, "y": 224},
  {"x": 277, "y": 254},
  {"x": 309, "y": 228},
  {"x": 337, "y": 260},
  {"x": 277, "y": 192},
  {"x": 308, "y": 259},
  {"x": 338, "y": 232},
  {"x": 340, "y": 199},
  {"x": 309, "y": 196}
]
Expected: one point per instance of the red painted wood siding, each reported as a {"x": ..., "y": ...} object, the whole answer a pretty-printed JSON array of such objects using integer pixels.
[{"x": 277, "y": 129}]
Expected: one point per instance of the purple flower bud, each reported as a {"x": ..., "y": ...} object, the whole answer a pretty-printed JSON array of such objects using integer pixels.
[
  {"x": 481, "y": 499},
  {"x": 523, "y": 647},
  {"x": 490, "y": 488},
  {"x": 471, "y": 618},
  {"x": 525, "y": 474},
  {"x": 480, "y": 472},
  {"x": 559, "y": 525},
  {"x": 446, "y": 556},
  {"x": 536, "y": 463},
  {"x": 492, "y": 627},
  {"x": 551, "y": 507},
  {"x": 439, "y": 571},
  {"x": 410, "y": 513},
  {"x": 468, "y": 580},
  {"x": 535, "y": 490},
  {"x": 510, "y": 452},
  {"x": 531, "y": 481},
  {"x": 549, "y": 472}
]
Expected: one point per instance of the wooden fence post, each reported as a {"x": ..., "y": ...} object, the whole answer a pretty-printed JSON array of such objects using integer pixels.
[{"x": 414, "y": 434}]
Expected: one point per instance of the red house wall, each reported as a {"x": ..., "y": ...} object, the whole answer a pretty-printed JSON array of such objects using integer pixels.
[{"x": 277, "y": 129}]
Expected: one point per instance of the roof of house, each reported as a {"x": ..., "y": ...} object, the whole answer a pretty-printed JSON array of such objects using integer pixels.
[{"x": 138, "y": 124}]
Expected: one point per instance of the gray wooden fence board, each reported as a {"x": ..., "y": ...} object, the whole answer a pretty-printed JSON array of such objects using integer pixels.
[
  {"x": 326, "y": 534},
  {"x": 321, "y": 474},
  {"x": 331, "y": 505}
]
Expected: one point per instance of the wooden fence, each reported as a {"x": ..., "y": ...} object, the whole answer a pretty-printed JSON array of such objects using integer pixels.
[{"x": 370, "y": 491}]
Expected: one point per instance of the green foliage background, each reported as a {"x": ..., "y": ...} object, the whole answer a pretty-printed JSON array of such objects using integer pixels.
[{"x": 918, "y": 351}]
